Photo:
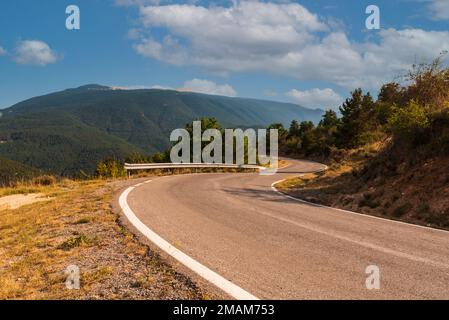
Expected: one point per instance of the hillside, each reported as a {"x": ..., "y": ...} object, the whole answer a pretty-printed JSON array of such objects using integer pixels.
[
  {"x": 387, "y": 157},
  {"x": 12, "y": 171},
  {"x": 69, "y": 131},
  {"x": 58, "y": 142},
  {"x": 416, "y": 193}
]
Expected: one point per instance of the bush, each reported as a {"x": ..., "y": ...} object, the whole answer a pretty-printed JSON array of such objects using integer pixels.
[
  {"x": 136, "y": 157},
  {"x": 110, "y": 168},
  {"x": 401, "y": 210},
  {"x": 369, "y": 201},
  {"x": 161, "y": 157},
  {"x": 430, "y": 83},
  {"x": 407, "y": 124},
  {"x": 440, "y": 132},
  {"x": 45, "y": 180},
  {"x": 74, "y": 242}
]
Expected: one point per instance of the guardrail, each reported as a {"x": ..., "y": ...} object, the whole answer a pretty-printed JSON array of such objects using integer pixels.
[{"x": 149, "y": 166}]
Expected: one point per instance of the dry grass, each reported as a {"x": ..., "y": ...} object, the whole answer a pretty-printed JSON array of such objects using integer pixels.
[
  {"x": 39, "y": 241},
  {"x": 343, "y": 164},
  {"x": 27, "y": 236}
]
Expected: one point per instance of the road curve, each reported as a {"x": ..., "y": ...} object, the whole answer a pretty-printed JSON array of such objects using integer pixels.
[{"x": 277, "y": 248}]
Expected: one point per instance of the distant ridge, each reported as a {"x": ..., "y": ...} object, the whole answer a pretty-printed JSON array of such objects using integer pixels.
[{"x": 69, "y": 131}]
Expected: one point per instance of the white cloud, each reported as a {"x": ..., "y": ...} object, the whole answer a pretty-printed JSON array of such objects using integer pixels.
[
  {"x": 168, "y": 51},
  {"x": 245, "y": 30},
  {"x": 35, "y": 52},
  {"x": 316, "y": 98},
  {"x": 208, "y": 87},
  {"x": 2, "y": 51},
  {"x": 246, "y": 27},
  {"x": 439, "y": 9},
  {"x": 281, "y": 38}
]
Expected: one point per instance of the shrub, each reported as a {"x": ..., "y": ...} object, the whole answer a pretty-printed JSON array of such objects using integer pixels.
[
  {"x": 110, "y": 168},
  {"x": 440, "y": 132},
  {"x": 136, "y": 157},
  {"x": 368, "y": 201},
  {"x": 440, "y": 220},
  {"x": 423, "y": 208},
  {"x": 430, "y": 83},
  {"x": 402, "y": 209},
  {"x": 83, "y": 220},
  {"x": 45, "y": 180},
  {"x": 161, "y": 157},
  {"x": 409, "y": 123},
  {"x": 74, "y": 242}
]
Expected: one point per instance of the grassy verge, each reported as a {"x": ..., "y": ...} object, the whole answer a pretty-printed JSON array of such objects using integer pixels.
[{"x": 77, "y": 227}]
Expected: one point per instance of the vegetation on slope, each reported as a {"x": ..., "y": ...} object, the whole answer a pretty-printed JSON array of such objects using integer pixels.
[
  {"x": 12, "y": 172},
  {"x": 58, "y": 143},
  {"x": 387, "y": 157}
]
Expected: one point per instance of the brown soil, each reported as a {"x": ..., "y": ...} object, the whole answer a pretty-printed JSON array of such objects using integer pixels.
[
  {"x": 417, "y": 193},
  {"x": 19, "y": 200}
]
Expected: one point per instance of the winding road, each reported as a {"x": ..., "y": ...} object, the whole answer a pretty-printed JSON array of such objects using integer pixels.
[{"x": 275, "y": 247}]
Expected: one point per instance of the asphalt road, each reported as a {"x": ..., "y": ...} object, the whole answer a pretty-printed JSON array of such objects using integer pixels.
[{"x": 278, "y": 248}]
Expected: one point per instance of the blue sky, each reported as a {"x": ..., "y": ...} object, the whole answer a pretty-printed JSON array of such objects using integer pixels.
[{"x": 312, "y": 52}]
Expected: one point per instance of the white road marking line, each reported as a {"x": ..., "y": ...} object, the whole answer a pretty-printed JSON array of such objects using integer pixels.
[
  {"x": 352, "y": 212},
  {"x": 211, "y": 276},
  {"x": 361, "y": 243}
]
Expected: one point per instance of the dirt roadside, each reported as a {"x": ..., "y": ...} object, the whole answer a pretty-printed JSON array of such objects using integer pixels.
[{"x": 79, "y": 226}]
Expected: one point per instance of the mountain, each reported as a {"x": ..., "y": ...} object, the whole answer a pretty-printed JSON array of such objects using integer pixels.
[{"x": 71, "y": 130}]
